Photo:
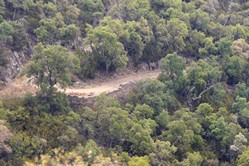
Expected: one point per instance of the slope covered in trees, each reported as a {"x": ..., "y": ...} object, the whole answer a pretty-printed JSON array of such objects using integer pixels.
[{"x": 195, "y": 113}]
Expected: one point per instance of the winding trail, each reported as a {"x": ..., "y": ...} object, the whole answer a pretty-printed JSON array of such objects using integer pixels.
[
  {"x": 21, "y": 86},
  {"x": 111, "y": 85}
]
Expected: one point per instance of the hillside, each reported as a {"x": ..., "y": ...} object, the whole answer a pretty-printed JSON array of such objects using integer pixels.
[{"x": 175, "y": 73}]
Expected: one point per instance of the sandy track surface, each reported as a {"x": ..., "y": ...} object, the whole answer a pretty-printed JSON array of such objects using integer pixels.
[
  {"x": 21, "y": 86},
  {"x": 111, "y": 85}
]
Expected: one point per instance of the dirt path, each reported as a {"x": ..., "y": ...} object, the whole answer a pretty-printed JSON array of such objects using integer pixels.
[
  {"x": 111, "y": 85},
  {"x": 20, "y": 86}
]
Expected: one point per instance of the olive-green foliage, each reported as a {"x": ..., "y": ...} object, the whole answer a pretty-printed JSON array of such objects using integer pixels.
[
  {"x": 137, "y": 161},
  {"x": 6, "y": 31},
  {"x": 108, "y": 52},
  {"x": 195, "y": 114},
  {"x": 51, "y": 65},
  {"x": 243, "y": 159}
]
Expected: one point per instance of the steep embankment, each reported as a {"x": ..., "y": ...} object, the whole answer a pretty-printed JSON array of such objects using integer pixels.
[{"x": 20, "y": 86}]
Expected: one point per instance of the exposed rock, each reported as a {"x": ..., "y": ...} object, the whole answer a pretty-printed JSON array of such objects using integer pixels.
[{"x": 15, "y": 60}]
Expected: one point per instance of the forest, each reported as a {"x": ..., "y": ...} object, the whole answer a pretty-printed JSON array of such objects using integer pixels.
[{"x": 196, "y": 113}]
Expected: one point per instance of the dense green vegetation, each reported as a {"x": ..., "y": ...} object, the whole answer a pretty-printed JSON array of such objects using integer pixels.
[{"x": 195, "y": 113}]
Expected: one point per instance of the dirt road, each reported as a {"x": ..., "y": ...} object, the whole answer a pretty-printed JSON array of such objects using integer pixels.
[
  {"x": 111, "y": 85},
  {"x": 20, "y": 86}
]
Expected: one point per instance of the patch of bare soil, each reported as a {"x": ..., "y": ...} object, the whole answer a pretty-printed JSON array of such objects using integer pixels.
[
  {"x": 104, "y": 84},
  {"x": 110, "y": 84},
  {"x": 19, "y": 87}
]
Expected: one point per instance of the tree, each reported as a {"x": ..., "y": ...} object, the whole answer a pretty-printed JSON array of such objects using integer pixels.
[
  {"x": 193, "y": 159},
  {"x": 194, "y": 41},
  {"x": 90, "y": 11},
  {"x": 108, "y": 52},
  {"x": 199, "y": 20},
  {"x": 140, "y": 139},
  {"x": 234, "y": 68},
  {"x": 240, "y": 48},
  {"x": 172, "y": 66},
  {"x": 209, "y": 48},
  {"x": 242, "y": 90},
  {"x": 47, "y": 33},
  {"x": 243, "y": 117},
  {"x": 143, "y": 112},
  {"x": 129, "y": 10},
  {"x": 6, "y": 32},
  {"x": 202, "y": 77},
  {"x": 163, "y": 153},
  {"x": 239, "y": 144},
  {"x": 243, "y": 159},
  {"x": 51, "y": 65},
  {"x": 72, "y": 14},
  {"x": 240, "y": 104},
  {"x": 138, "y": 161},
  {"x": 177, "y": 32}
]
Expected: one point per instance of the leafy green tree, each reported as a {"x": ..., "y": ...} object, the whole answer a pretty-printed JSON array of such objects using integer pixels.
[
  {"x": 90, "y": 11},
  {"x": 151, "y": 92},
  {"x": 243, "y": 159},
  {"x": 239, "y": 143},
  {"x": 118, "y": 126},
  {"x": 150, "y": 125},
  {"x": 112, "y": 126},
  {"x": 133, "y": 35},
  {"x": 206, "y": 115},
  {"x": 234, "y": 69},
  {"x": 48, "y": 32},
  {"x": 23, "y": 145},
  {"x": 137, "y": 161},
  {"x": 217, "y": 31},
  {"x": 89, "y": 152},
  {"x": 130, "y": 10},
  {"x": 163, "y": 119},
  {"x": 194, "y": 41},
  {"x": 240, "y": 104},
  {"x": 108, "y": 52},
  {"x": 239, "y": 32},
  {"x": 163, "y": 5},
  {"x": 163, "y": 153},
  {"x": 51, "y": 65},
  {"x": 6, "y": 32},
  {"x": 19, "y": 37},
  {"x": 193, "y": 159},
  {"x": 140, "y": 139},
  {"x": 199, "y": 20},
  {"x": 179, "y": 136},
  {"x": 242, "y": 90},
  {"x": 202, "y": 77},
  {"x": 243, "y": 117},
  {"x": 72, "y": 14},
  {"x": 49, "y": 9},
  {"x": 69, "y": 34},
  {"x": 218, "y": 128},
  {"x": 143, "y": 112},
  {"x": 177, "y": 32},
  {"x": 172, "y": 66},
  {"x": 240, "y": 47},
  {"x": 209, "y": 48},
  {"x": 19, "y": 6},
  {"x": 224, "y": 46}
]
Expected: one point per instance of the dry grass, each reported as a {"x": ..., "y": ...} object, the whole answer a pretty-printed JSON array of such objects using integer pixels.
[{"x": 19, "y": 87}]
